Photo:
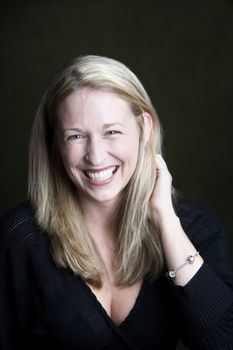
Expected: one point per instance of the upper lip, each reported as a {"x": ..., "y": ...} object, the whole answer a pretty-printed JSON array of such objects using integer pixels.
[{"x": 101, "y": 169}]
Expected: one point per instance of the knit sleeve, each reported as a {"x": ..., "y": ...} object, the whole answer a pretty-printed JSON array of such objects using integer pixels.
[
  {"x": 16, "y": 284},
  {"x": 206, "y": 301}
]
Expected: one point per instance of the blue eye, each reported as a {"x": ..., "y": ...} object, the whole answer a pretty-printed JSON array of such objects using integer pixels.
[
  {"x": 73, "y": 138},
  {"x": 113, "y": 132}
]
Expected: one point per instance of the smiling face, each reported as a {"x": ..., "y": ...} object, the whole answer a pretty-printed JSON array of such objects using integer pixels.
[{"x": 98, "y": 140}]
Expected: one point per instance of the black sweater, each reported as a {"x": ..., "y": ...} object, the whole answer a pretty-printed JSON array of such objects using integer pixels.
[{"x": 42, "y": 305}]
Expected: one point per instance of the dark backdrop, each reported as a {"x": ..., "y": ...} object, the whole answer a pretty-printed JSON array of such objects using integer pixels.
[{"x": 181, "y": 50}]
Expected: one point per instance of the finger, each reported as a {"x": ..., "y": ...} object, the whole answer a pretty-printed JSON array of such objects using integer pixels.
[
  {"x": 160, "y": 162},
  {"x": 161, "y": 166}
]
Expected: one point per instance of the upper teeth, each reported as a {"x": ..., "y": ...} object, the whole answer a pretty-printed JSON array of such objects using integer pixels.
[{"x": 101, "y": 175}]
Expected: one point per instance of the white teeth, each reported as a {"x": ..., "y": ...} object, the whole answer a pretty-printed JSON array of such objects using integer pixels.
[{"x": 101, "y": 175}]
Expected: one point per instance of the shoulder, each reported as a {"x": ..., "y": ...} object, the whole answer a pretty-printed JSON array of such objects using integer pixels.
[
  {"x": 200, "y": 221},
  {"x": 17, "y": 224},
  {"x": 193, "y": 209}
]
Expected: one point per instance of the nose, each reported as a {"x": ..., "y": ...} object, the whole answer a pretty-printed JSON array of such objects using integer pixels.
[{"x": 96, "y": 152}]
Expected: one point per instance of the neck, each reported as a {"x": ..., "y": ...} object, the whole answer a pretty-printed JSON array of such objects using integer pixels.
[{"x": 99, "y": 218}]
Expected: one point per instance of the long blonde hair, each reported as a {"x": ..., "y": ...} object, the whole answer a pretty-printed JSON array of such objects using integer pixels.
[{"x": 56, "y": 199}]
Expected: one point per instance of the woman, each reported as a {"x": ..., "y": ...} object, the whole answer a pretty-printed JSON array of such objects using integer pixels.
[{"x": 104, "y": 255}]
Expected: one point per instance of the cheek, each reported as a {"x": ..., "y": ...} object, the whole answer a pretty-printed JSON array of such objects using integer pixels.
[
  {"x": 129, "y": 151},
  {"x": 70, "y": 155}
]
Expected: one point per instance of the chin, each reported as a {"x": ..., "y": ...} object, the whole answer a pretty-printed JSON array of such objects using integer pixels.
[{"x": 104, "y": 198}]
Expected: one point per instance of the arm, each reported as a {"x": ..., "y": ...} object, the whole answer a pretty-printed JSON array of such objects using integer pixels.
[
  {"x": 203, "y": 289},
  {"x": 16, "y": 282},
  {"x": 7, "y": 306},
  {"x": 176, "y": 245}
]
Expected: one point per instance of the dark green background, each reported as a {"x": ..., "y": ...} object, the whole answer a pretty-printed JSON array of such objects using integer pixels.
[{"x": 181, "y": 50}]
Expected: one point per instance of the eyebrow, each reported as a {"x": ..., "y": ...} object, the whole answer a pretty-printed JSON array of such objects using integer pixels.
[
  {"x": 73, "y": 129},
  {"x": 112, "y": 124},
  {"x": 105, "y": 126}
]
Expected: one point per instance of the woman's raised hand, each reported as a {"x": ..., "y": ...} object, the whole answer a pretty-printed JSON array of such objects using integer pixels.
[{"x": 160, "y": 205}]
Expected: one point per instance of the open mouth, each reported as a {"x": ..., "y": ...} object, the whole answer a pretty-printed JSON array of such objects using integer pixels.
[{"x": 101, "y": 175}]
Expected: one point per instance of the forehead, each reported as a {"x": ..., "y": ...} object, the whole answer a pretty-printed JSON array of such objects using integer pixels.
[{"x": 95, "y": 105}]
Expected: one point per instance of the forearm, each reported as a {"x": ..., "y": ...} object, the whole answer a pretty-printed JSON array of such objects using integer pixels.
[
  {"x": 203, "y": 290},
  {"x": 177, "y": 247}
]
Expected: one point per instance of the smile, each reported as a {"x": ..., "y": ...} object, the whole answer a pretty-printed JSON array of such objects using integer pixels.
[{"x": 101, "y": 175}]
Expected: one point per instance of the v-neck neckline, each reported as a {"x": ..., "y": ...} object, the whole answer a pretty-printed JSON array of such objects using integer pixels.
[{"x": 104, "y": 312}]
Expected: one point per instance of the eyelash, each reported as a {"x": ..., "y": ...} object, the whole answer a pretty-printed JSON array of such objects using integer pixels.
[
  {"x": 113, "y": 132},
  {"x": 73, "y": 138},
  {"x": 77, "y": 137}
]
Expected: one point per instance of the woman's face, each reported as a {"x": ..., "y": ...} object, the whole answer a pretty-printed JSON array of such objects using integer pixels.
[{"x": 98, "y": 141}]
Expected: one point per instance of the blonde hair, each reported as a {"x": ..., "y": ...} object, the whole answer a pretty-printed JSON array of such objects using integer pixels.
[{"x": 56, "y": 199}]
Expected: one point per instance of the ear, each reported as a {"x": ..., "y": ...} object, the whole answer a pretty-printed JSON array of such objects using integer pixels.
[{"x": 147, "y": 126}]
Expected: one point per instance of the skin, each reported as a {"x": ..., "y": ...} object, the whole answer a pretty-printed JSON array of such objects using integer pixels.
[
  {"x": 98, "y": 140},
  {"x": 98, "y": 134},
  {"x": 175, "y": 243}
]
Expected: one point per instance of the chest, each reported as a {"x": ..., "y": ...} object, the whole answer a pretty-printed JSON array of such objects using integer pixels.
[
  {"x": 117, "y": 301},
  {"x": 71, "y": 313}
]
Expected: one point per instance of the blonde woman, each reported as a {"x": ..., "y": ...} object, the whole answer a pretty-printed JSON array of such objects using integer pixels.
[{"x": 104, "y": 255}]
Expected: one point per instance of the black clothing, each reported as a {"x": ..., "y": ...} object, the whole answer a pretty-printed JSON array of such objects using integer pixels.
[{"x": 42, "y": 305}]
